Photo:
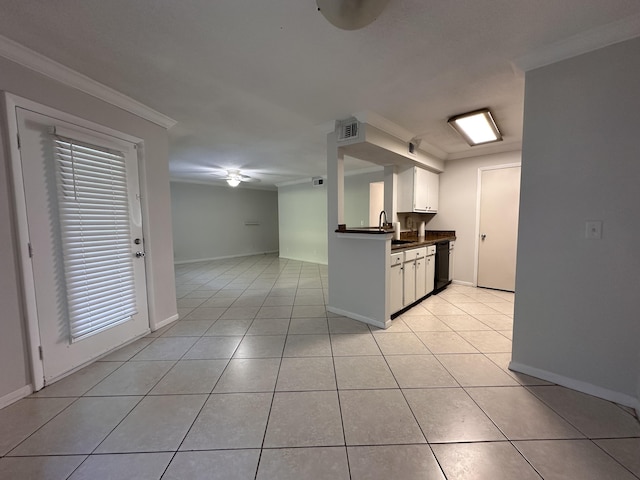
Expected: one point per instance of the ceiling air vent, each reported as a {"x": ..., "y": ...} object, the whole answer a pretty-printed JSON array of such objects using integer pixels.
[{"x": 347, "y": 129}]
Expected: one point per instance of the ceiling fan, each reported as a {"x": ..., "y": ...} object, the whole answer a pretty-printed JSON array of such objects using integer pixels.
[
  {"x": 234, "y": 177},
  {"x": 351, "y": 14}
]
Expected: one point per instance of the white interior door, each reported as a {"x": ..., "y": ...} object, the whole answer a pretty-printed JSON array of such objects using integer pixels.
[
  {"x": 498, "y": 235},
  {"x": 63, "y": 348}
]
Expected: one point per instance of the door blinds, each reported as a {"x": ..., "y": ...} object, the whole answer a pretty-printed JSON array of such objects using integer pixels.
[{"x": 93, "y": 206}]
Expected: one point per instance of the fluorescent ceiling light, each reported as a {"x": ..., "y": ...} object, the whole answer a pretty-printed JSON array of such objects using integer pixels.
[
  {"x": 477, "y": 127},
  {"x": 233, "y": 182}
]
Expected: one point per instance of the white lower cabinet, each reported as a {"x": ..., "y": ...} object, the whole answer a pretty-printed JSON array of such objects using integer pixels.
[
  {"x": 412, "y": 276},
  {"x": 396, "y": 282},
  {"x": 409, "y": 277},
  {"x": 430, "y": 260},
  {"x": 409, "y": 266},
  {"x": 421, "y": 273}
]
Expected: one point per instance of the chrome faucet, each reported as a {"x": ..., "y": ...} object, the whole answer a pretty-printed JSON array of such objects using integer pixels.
[{"x": 380, "y": 224}]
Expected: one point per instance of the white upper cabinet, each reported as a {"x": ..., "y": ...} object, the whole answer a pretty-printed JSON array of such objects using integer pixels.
[{"x": 418, "y": 191}]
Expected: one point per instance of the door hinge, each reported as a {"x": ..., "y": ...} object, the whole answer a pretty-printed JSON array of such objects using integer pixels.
[
  {"x": 40, "y": 351},
  {"x": 18, "y": 137},
  {"x": 30, "y": 250}
]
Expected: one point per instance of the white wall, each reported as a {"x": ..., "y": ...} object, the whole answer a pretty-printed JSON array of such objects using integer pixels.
[
  {"x": 576, "y": 308},
  {"x": 356, "y": 198},
  {"x": 209, "y": 221},
  {"x": 14, "y": 374},
  {"x": 458, "y": 205},
  {"x": 303, "y": 215}
]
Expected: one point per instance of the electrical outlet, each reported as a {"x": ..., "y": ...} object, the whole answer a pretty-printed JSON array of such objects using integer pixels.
[{"x": 593, "y": 230}]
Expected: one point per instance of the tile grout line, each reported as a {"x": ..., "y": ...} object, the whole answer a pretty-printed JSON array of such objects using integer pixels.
[
  {"x": 273, "y": 396},
  {"x": 335, "y": 376}
]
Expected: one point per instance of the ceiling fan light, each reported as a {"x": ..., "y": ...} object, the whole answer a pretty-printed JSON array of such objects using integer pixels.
[
  {"x": 477, "y": 127},
  {"x": 233, "y": 182}
]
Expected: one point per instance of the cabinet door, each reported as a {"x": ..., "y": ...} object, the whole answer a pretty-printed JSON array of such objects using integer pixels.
[
  {"x": 430, "y": 273},
  {"x": 405, "y": 187},
  {"x": 433, "y": 191},
  {"x": 421, "y": 277},
  {"x": 396, "y": 288},
  {"x": 421, "y": 190},
  {"x": 409, "y": 282}
]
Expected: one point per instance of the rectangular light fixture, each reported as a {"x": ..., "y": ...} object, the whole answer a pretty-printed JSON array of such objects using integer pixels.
[{"x": 477, "y": 127}]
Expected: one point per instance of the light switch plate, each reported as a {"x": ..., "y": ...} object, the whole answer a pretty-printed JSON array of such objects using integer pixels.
[{"x": 593, "y": 230}]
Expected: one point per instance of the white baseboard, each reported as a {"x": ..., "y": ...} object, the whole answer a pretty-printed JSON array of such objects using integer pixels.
[
  {"x": 303, "y": 260},
  {"x": 210, "y": 259},
  {"x": 12, "y": 397},
  {"x": 460, "y": 282},
  {"x": 580, "y": 386},
  {"x": 360, "y": 318},
  {"x": 165, "y": 322}
]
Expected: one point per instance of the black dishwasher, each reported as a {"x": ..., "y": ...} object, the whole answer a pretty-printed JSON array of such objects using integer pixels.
[{"x": 442, "y": 266}]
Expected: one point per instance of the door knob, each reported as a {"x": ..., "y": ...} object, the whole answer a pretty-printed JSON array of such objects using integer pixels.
[{"x": 483, "y": 236}]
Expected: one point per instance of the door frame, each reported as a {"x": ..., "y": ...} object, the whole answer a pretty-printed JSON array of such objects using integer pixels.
[
  {"x": 16, "y": 182},
  {"x": 478, "y": 198}
]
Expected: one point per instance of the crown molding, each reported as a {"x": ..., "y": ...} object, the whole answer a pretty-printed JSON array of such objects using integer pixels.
[
  {"x": 223, "y": 184},
  {"x": 585, "y": 42},
  {"x": 350, "y": 173},
  {"x": 39, "y": 63}
]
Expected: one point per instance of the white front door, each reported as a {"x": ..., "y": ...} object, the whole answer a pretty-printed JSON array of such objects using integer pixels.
[
  {"x": 499, "y": 204},
  {"x": 63, "y": 346}
]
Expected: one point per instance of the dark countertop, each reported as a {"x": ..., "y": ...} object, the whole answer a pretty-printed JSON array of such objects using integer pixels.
[
  {"x": 367, "y": 230},
  {"x": 431, "y": 236},
  {"x": 421, "y": 243}
]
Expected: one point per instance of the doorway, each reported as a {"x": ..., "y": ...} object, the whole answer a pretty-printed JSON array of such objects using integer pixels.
[
  {"x": 80, "y": 227},
  {"x": 497, "y": 236},
  {"x": 376, "y": 202}
]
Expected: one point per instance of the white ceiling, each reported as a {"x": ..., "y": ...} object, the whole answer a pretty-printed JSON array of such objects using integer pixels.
[{"x": 256, "y": 84}]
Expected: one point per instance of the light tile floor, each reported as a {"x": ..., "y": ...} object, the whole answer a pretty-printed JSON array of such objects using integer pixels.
[{"x": 258, "y": 381}]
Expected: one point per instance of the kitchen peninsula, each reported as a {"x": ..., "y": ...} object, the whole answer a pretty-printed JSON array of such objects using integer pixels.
[
  {"x": 359, "y": 265},
  {"x": 373, "y": 282}
]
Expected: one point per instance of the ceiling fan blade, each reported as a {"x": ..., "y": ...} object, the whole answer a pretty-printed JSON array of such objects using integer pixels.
[{"x": 246, "y": 178}]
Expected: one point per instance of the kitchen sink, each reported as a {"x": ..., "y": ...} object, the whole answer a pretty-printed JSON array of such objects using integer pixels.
[{"x": 401, "y": 242}]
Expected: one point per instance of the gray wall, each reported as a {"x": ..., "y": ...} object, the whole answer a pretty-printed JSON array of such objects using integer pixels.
[
  {"x": 18, "y": 80},
  {"x": 303, "y": 215},
  {"x": 356, "y": 197},
  {"x": 576, "y": 308},
  {"x": 458, "y": 204},
  {"x": 209, "y": 221}
]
